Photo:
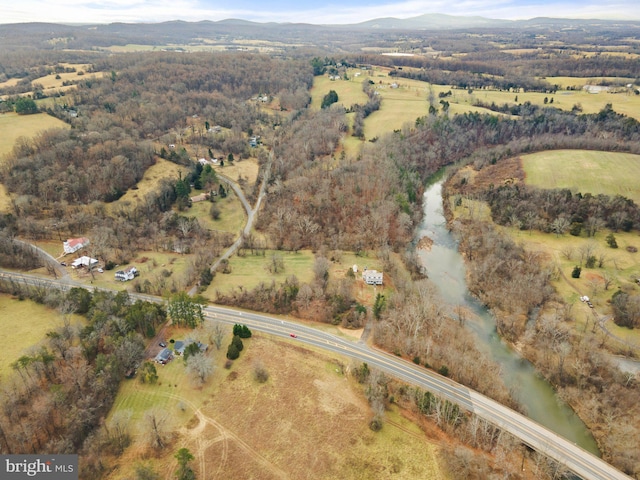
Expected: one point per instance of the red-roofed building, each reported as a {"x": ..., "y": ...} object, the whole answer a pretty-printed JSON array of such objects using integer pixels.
[{"x": 74, "y": 244}]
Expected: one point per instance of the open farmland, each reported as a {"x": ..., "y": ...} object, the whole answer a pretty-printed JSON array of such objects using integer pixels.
[
  {"x": 306, "y": 422},
  {"x": 14, "y": 126},
  {"x": 578, "y": 82},
  {"x": 410, "y": 99},
  {"x": 24, "y": 325},
  {"x": 585, "y": 171},
  {"x": 349, "y": 91}
]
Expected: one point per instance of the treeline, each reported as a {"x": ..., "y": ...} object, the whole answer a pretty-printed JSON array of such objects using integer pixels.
[
  {"x": 515, "y": 284},
  {"x": 62, "y": 389},
  {"x": 372, "y": 201},
  {"x": 316, "y": 200},
  {"x": 473, "y": 80},
  {"x": 548, "y": 63},
  {"x": 560, "y": 210},
  {"x": 363, "y": 111}
]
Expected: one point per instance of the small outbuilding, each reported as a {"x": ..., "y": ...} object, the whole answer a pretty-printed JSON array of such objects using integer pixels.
[{"x": 84, "y": 261}]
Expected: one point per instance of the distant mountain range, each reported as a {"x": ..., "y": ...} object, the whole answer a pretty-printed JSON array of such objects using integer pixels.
[
  {"x": 429, "y": 21},
  {"x": 21, "y": 36},
  {"x": 437, "y": 21}
]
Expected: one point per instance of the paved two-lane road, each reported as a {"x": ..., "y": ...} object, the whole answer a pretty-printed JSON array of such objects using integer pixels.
[{"x": 581, "y": 462}]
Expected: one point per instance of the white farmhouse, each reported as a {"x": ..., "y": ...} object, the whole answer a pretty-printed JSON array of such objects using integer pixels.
[
  {"x": 74, "y": 244},
  {"x": 372, "y": 277},
  {"x": 127, "y": 274}
]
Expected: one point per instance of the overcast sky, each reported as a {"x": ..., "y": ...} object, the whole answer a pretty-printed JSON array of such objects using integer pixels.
[{"x": 345, "y": 11}]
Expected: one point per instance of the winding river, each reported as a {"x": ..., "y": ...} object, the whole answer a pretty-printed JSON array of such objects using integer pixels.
[{"x": 445, "y": 267}]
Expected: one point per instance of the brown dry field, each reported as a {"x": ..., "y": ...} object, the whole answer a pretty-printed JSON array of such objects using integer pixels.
[{"x": 308, "y": 421}]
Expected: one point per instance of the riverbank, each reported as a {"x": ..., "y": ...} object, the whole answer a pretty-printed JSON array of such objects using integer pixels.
[
  {"x": 509, "y": 280},
  {"x": 447, "y": 268}
]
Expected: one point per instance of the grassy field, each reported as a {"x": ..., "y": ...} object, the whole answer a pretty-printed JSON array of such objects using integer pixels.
[
  {"x": 139, "y": 397},
  {"x": 247, "y": 169},
  {"x": 250, "y": 270},
  {"x": 404, "y": 104},
  {"x": 54, "y": 82},
  {"x": 349, "y": 91},
  {"x": 24, "y": 325},
  {"x": 585, "y": 171},
  {"x": 14, "y": 126},
  {"x": 306, "y": 422},
  {"x": 579, "y": 82},
  {"x": 409, "y": 100},
  {"x": 232, "y": 214},
  {"x": 150, "y": 181}
]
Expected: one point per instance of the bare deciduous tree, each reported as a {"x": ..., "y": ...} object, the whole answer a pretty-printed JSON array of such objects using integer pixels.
[
  {"x": 155, "y": 428},
  {"x": 200, "y": 367}
]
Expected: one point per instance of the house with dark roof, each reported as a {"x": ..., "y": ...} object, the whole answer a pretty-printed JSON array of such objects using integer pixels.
[
  {"x": 180, "y": 346},
  {"x": 164, "y": 356},
  {"x": 127, "y": 274}
]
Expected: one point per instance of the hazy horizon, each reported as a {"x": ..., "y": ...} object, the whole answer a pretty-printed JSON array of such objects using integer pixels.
[{"x": 290, "y": 11}]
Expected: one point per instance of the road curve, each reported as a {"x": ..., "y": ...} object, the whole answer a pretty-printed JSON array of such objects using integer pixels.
[{"x": 581, "y": 462}]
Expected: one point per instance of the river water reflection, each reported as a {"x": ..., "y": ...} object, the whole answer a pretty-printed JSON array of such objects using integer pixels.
[{"x": 445, "y": 267}]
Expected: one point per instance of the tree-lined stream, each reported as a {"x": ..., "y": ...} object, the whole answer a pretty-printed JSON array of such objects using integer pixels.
[{"x": 445, "y": 267}]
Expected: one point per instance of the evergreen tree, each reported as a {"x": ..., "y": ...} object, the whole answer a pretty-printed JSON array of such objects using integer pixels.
[
  {"x": 184, "y": 472},
  {"x": 232, "y": 352},
  {"x": 329, "y": 99}
]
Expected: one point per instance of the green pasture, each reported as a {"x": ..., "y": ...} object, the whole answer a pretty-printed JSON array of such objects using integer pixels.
[
  {"x": 585, "y": 171},
  {"x": 25, "y": 324},
  {"x": 250, "y": 270},
  {"x": 232, "y": 214},
  {"x": 349, "y": 91},
  {"x": 53, "y": 247},
  {"x": 14, "y": 126}
]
